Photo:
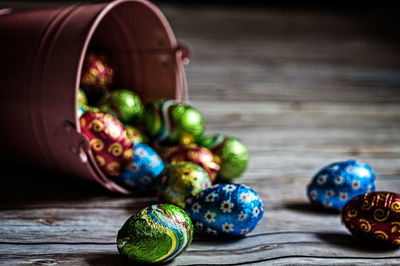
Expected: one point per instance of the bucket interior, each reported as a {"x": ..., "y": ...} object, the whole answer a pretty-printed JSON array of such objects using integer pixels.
[{"x": 140, "y": 46}]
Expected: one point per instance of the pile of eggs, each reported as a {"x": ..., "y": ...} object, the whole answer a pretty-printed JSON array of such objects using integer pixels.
[{"x": 160, "y": 147}]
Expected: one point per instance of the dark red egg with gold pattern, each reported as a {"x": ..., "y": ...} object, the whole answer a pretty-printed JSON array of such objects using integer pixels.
[
  {"x": 109, "y": 142},
  {"x": 201, "y": 156},
  {"x": 374, "y": 216},
  {"x": 97, "y": 75}
]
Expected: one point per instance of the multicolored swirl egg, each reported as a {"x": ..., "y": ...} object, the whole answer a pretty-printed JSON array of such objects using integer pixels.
[
  {"x": 180, "y": 181},
  {"x": 230, "y": 153},
  {"x": 338, "y": 182},
  {"x": 201, "y": 156},
  {"x": 374, "y": 216},
  {"x": 227, "y": 209},
  {"x": 142, "y": 172},
  {"x": 172, "y": 122},
  {"x": 155, "y": 234},
  {"x": 108, "y": 140},
  {"x": 124, "y": 104},
  {"x": 97, "y": 75}
]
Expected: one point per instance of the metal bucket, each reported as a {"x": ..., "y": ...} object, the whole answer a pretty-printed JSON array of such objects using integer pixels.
[{"x": 42, "y": 53}]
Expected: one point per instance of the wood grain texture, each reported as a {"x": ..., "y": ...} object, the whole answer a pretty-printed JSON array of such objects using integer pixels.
[{"x": 301, "y": 88}]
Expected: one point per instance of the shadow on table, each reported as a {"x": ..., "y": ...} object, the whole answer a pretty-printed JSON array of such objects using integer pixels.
[
  {"x": 307, "y": 208},
  {"x": 26, "y": 187},
  {"x": 115, "y": 259},
  {"x": 350, "y": 242}
]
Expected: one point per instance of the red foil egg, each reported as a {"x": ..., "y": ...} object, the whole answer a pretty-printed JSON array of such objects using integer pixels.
[
  {"x": 97, "y": 75},
  {"x": 375, "y": 216},
  {"x": 108, "y": 140},
  {"x": 203, "y": 157}
]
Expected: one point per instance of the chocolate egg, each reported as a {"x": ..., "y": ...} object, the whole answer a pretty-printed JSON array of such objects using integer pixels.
[
  {"x": 172, "y": 122},
  {"x": 107, "y": 137},
  {"x": 135, "y": 135},
  {"x": 97, "y": 75},
  {"x": 142, "y": 172},
  {"x": 201, "y": 156},
  {"x": 80, "y": 111},
  {"x": 124, "y": 104},
  {"x": 226, "y": 209},
  {"x": 374, "y": 216},
  {"x": 230, "y": 153},
  {"x": 82, "y": 99},
  {"x": 157, "y": 233},
  {"x": 180, "y": 181},
  {"x": 338, "y": 182}
]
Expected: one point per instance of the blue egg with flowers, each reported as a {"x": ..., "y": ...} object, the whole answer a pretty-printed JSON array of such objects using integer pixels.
[
  {"x": 225, "y": 209},
  {"x": 337, "y": 183}
]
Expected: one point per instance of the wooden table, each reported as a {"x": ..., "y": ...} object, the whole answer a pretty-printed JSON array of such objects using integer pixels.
[{"x": 301, "y": 87}]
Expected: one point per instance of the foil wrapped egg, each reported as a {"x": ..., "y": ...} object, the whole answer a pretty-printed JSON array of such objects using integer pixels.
[
  {"x": 201, "y": 156},
  {"x": 374, "y": 216},
  {"x": 230, "y": 153},
  {"x": 180, "y": 181},
  {"x": 80, "y": 111},
  {"x": 135, "y": 135},
  {"x": 226, "y": 209},
  {"x": 107, "y": 137},
  {"x": 338, "y": 182},
  {"x": 171, "y": 122},
  {"x": 123, "y": 104},
  {"x": 97, "y": 75},
  {"x": 156, "y": 234},
  {"x": 82, "y": 99},
  {"x": 142, "y": 172}
]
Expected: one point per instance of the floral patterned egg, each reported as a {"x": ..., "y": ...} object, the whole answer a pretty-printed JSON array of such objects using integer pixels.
[
  {"x": 142, "y": 172},
  {"x": 107, "y": 137},
  {"x": 180, "y": 181},
  {"x": 338, "y": 182},
  {"x": 374, "y": 216},
  {"x": 227, "y": 209}
]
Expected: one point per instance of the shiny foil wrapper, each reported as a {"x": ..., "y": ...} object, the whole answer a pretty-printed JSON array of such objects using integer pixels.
[
  {"x": 230, "y": 153},
  {"x": 124, "y": 104},
  {"x": 226, "y": 209},
  {"x": 374, "y": 216},
  {"x": 339, "y": 182},
  {"x": 142, "y": 172},
  {"x": 155, "y": 234},
  {"x": 97, "y": 75},
  {"x": 107, "y": 137},
  {"x": 171, "y": 122},
  {"x": 135, "y": 135},
  {"x": 180, "y": 181},
  {"x": 201, "y": 156}
]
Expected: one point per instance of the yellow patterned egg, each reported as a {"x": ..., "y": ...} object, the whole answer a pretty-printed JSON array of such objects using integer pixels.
[{"x": 374, "y": 216}]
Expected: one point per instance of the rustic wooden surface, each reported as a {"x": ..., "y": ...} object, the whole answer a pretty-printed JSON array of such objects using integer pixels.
[{"x": 301, "y": 88}]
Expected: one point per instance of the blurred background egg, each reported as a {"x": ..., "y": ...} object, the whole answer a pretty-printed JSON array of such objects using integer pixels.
[
  {"x": 201, "y": 156},
  {"x": 374, "y": 216},
  {"x": 155, "y": 234},
  {"x": 180, "y": 181},
  {"x": 142, "y": 172},
  {"x": 172, "y": 122},
  {"x": 124, "y": 104},
  {"x": 338, "y": 182},
  {"x": 227, "y": 209},
  {"x": 230, "y": 153}
]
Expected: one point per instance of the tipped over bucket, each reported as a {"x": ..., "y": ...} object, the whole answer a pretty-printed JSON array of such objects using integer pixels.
[{"x": 41, "y": 60}]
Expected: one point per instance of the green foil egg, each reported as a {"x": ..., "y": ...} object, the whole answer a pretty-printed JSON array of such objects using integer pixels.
[
  {"x": 155, "y": 234},
  {"x": 135, "y": 135},
  {"x": 124, "y": 104},
  {"x": 82, "y": 99},
  {"x": 180, "y": 181},
  {"x": 230, "y": 153},
  {"x": 172, "y": 122}
]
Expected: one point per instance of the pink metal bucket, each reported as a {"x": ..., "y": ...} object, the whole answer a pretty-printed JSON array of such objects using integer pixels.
[{"x": 42, "y": 53}]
